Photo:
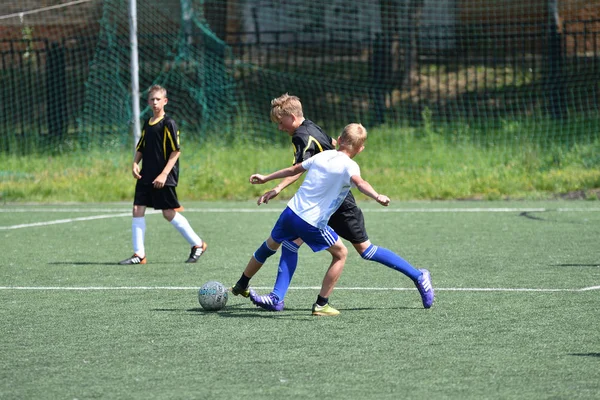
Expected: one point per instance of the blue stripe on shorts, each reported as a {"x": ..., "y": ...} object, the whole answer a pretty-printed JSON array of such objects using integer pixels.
[{"x": 290, "y": 226}]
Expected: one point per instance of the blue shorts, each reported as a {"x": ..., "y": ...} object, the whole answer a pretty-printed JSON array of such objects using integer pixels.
[{"x": 290, "y": 227}]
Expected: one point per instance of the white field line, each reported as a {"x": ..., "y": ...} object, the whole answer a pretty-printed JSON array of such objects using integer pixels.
[
  {"x": 119, "y": 212},
  {"x": 276, "y": 210},
  {"x": 64, "y": 221},
  {"x": 371, "y": 289}
]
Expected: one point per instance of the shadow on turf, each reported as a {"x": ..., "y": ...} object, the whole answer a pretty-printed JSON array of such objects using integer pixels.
[
  {"x": 113, "y": 263},
  {"x": 531, "y": 216},
  {"x": 237, "y": 311},
  {"x": 578, "y": 265},
  {"x": 82, "y": 263},
  {"x": 243, "y": 311},
  {"x": 585, "y": 354}
]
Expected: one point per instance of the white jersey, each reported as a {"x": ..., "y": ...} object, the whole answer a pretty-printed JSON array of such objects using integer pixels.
[{"x": 325, "y": 186}]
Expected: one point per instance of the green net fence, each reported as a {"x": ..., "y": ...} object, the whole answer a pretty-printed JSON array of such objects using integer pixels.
[{"x": 492, "y": 72}]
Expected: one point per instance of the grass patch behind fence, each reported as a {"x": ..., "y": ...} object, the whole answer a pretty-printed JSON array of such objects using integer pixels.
[{"x": 447, "y": 162}]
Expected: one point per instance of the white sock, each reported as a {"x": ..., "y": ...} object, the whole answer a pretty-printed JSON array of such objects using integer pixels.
[
  {"x": 183, "y": 226},
  {"x": 138, "y": 230}
]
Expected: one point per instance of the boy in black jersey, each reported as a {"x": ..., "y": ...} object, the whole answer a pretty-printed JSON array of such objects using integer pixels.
[
  {"x": 309, "y": 139},
  {"x": 158, "y": 148}
]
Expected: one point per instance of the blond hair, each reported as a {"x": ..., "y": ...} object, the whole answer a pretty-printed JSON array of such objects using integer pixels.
[
  {"x": 285, "y": 105},
  {"x": 353, "y": 136},
  {"x": 157, "y": 88}
]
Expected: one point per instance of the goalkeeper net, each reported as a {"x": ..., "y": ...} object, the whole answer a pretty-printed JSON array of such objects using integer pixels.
[{"x": 492, "y": 72}]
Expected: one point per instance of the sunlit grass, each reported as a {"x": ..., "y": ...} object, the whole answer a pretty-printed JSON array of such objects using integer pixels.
[{"x": 451, "y": 161}]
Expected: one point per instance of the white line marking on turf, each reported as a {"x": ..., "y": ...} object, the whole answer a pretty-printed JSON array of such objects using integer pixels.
[
  {"x": 275, "y": 210},
  {"x": 121, "y": 213},
  {"x": 450, "y": 289},
  {"x": 590, "y": 288},
  {"x": 64, "y": 221},
  {"x": 101, "y": 288}
]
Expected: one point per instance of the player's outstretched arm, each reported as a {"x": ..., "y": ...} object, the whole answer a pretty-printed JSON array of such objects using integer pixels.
[
  {"x": 282, "y": 173},
  {"x": 366, "y": 188},
  {"x": 271, "y": 194}
]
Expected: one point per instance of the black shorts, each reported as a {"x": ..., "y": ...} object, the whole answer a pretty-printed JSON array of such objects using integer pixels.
[
  {"x": 159, "y": 199},
  {"x": 348, "y": 221}
]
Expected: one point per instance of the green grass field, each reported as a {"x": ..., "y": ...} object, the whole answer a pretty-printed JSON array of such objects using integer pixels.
[{"x": 516, "y": 311}]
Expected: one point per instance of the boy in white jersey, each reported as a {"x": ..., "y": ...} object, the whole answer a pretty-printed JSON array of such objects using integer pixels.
[
  {"x": 347, "y": 221},
  {"x": 331, "y": 175}
]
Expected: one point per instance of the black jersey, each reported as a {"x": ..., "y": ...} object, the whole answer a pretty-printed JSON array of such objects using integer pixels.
[
  {"x": 308, "y": 140},
  {"x": 156, "y": 144}
]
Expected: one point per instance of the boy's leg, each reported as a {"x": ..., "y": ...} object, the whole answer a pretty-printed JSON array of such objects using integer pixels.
[
  {"x": 348, "y": 222},
  {"x": 287, "y": 266},
  {"x": 420, "y": 277},
  {"x": 350, "y": 225},
  {"x": 266, "y": 250},
  {"x": 338, "y": 253},
  {"x": 289, "y": 227},
  {"x": 388, "y": 258},
  {"x": 138, "y": 231},
  {"x": 184, "y": 228},
  {"x": 269, "y": 302},
  {"x": 166, "y": 200}
]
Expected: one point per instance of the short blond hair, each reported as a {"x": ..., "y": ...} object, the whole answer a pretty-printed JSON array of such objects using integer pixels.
[
  {"x": 157, "y": 88},
  {"x": 285, "y": 105},
  {"x": 353, "y": 136}
]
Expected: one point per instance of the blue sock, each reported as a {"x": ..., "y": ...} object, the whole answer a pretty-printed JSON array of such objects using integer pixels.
[
  {"x": 392, "y": 260},
  {"x": 263, "y": 252},
  {"x": 287, "y": 267}
]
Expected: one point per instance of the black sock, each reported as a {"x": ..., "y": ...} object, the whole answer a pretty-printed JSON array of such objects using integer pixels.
[
  {"x": 321, "y": 301},
  {"x": 243, "y": 282}
]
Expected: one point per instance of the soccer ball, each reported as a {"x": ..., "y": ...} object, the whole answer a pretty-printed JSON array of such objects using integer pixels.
[{"x": 212, "y": 296}]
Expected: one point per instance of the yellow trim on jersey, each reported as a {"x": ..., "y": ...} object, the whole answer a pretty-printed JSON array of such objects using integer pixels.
[
  {"x": 312, "y": 139},
  {"x": 155, "y": 122},
  {"x": 294, "y": 155},
  {"x": 170, "y": 137},
  {"x": 141, "y": 140}
]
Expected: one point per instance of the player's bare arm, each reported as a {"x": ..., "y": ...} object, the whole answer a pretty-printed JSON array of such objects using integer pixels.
[
  {"x": 366, "y": 188},
  {"x": 282, "y": 173},
  {"x": 160, "y": 180},
  {"x": 135, "y": 169},
  {"x": 271, "y": 194}
]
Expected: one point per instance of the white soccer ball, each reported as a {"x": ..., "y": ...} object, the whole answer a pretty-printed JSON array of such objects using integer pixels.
[{"x": 212, "y": 296}]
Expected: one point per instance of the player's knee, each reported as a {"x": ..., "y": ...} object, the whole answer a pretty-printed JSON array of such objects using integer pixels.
[
  {"x": 263, "y": 253},
  {"x": 361, "y": 248},
  {"x": 344, "y": 252},
  {"x": 367, "y": 253},
  {"x": 138, "y": 211},
  {"x": 341, "y": 252},
  {"x": 168, "y": 214}
]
